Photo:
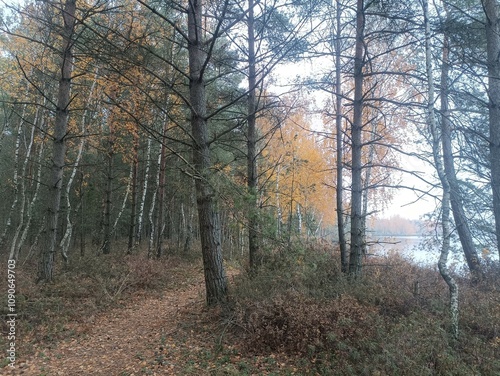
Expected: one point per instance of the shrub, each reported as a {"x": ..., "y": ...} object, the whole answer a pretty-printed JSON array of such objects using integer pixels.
[{"x": 295, "y": 324}]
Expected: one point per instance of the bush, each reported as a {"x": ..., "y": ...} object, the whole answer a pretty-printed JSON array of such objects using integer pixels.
[
  {"x": 297, "y": 325},
  {"x": 393, "y": 320}
]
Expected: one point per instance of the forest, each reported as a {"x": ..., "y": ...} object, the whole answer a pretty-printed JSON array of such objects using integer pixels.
[{"x": 229, "y": 162}]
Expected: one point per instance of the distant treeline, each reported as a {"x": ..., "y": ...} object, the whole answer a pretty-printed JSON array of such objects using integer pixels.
[{"x": 396, "y": 225}]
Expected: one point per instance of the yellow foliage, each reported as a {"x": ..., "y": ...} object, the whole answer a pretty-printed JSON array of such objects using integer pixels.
[{"x": 299, "y": 171}]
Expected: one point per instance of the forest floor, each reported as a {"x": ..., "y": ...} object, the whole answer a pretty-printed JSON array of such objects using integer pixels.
[
  {"x": 167, "y": 332},
  {"x": 129, "y": 315}
]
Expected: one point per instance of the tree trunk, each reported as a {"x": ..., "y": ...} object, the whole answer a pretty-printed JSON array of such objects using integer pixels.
[
  {"x": 461, "y": 221},
  {"x": 66, "y": 240},
  {"x": 366, "y": 184},
  {"x": 22, "y": 211},
  {"x": 133, "y": 209},
  {"x": 215, "y": 277},
  {"x": 108, "y": 199},
  {"x": 152, "y": 211},
  {"x": 443, "y": 260},
  {"x": 431, "y": 120},
  {"x": 189, "y": 225},
  {"x": 15, "y": 183},
  {"x": 8, "y": 223},
  {"x": 124, "y": 202},
  {"x": 493, "y": 50},
  {"x": 279, "y": 212},
  {"x": 344, "y": 256},
  {"x": 46, "y": 266},
  {"x": 144, "y": 191},
  {"x": 160, "y": 222},
  {"x": 31, "y": 206},
  {"x": 357, "y": 238},
  {"x": 253, "y": 212}
]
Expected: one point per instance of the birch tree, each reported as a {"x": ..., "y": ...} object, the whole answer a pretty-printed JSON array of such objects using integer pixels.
[
  {"x": 437, "y": 153},
  {"x": 491, "y": 10}
]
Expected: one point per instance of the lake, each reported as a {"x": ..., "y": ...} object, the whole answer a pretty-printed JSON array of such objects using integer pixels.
[{"x": 421, "y": 250}]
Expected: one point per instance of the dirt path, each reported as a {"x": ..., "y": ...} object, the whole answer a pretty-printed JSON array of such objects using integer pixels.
[{"x": 143, "y": 338}]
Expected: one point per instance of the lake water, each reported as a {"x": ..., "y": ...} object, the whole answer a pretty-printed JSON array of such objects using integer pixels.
[{"x": 418, "y": 249}]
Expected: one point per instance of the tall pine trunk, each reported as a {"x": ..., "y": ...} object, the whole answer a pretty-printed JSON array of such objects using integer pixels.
[
  {"x": 253, "y": 212},
  {"x": 46, "y": 266},
  {"x": 357, "y": 236},
  {"x": 210, "y": 232},
  {"x": 344, "y": 256}
]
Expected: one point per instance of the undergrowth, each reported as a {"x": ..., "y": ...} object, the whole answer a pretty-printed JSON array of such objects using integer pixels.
[
  {"x": 392, "y": 321},
  {"x": 298, "y": 315}
]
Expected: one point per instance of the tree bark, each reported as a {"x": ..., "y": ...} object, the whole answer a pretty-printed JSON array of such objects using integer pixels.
[
  {"x": 491, "y": 9},
  {"x": 160, "y": 222},
  {"x": 108, "y": 199},
  {"x": 66, "y": 239},
  {"x": 15, "y": 183},
  {"x": 46, "y": 266},
  {"x": 461, "y": 221},
  {"x": 22, "y": 210},
  {"x": 152, "y": 211},
  {"x": 8, "y": 223},
  {"x": 140, "y": 218},
  {"x": 443, "y": 267},
  {"x": 189, "y": 223},
  {"x": 31, "y": 206},
  {"x": 357, "y": 238},
  {"x": 344, "y": 256},
  {"x": 215, "y": 277},
  {"x": 366, "y": 184},
  {"x": 253, "y": 213},
  {"x": 133, "y": 209},
  {"x": 445, "y": 219}
]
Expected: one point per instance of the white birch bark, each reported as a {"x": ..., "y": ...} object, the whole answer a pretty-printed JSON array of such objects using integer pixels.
[
  {"x": 125, "y": 198},
  {"x": 15, "y": 179},
  {"x": 144, "y": 191},
  {"x": 34, "y": 199},
  {"x": 299, "y": 219},
  {"x": 445, "y": 221},
  {"x": 22, "y": 208},
  {"x": 279, "y": 213},
  {"x": 66, "y": 239},
  {"x": 152, "y": 209}
]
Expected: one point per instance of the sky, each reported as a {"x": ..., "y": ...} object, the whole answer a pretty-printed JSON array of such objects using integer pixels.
[{"x": 409, "y": 204}]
